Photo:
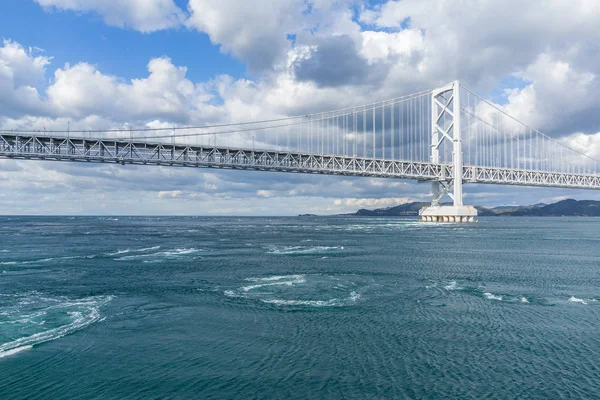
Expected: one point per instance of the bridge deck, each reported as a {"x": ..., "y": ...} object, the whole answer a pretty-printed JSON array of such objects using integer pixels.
[{"x": 28, "y": 146}]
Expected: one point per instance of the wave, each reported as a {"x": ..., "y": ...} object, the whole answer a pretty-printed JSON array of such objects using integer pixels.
[
  {"x": 480, "y": 291},
  {"x": 314, "y": 290},
  {"x": 452, "y": 285},
  {"x": 275, "y": 278},
  {"x": 81, "y": 313},
  {"x": 303, "y": 249},
  {"x": 15, "y": 351},
  {"x": 314, "y": 303},
  {"x": 354, "y": 296},
  {"x": 275, "y": 282},
  {"x": 178, "y": 252},
  {"x": 49, "y": 259},
  {"x": 574, "y": 299},
  {"x": 170, "y": 253},
  {"x": 491, "y": 296},
  {"x": 119, "y": 252}
]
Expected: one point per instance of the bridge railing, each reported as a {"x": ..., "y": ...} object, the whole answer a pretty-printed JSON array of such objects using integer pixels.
[{"x": 396, "y": 129}]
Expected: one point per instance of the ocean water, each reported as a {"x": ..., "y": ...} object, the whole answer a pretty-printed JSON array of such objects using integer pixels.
[{"x": 339, "y": 307}]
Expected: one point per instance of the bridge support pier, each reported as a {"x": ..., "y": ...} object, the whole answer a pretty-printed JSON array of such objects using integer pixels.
[
  {"x": 449, "y": 214},
  {"x": 445, "y": 122}
]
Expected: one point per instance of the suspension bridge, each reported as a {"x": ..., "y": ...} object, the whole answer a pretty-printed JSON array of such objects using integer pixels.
[{"x": 446, "y": 136}]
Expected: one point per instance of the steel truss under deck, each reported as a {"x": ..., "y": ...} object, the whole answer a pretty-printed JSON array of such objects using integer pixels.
[
  {"x": 142, "y": 153},
  {"x": 29, "y": 146}
]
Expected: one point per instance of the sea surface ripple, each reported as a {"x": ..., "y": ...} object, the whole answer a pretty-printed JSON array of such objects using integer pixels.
[{"x": 305, "y": 307}]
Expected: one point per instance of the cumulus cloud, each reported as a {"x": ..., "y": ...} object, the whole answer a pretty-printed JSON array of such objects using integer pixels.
[
  {"x": 307, "y": 56},
  {"x": 558, "y": 97},
  {"x": 142, "y": 15},
  {"x": 82, "y": 90},
  {"x": 334, "y": 61},
  {"x": 21, "y": 71},
  {"x": 254, "y": 31},
  {"x": 90, "y": 99},
  {"x": 588, "y": 144}
]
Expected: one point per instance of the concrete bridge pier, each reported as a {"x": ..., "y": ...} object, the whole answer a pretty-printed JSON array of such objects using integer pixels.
[{"x": 446, "y": 129}]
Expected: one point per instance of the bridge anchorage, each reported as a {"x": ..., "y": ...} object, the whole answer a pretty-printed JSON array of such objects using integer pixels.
[{"x": 446, "y": 129}]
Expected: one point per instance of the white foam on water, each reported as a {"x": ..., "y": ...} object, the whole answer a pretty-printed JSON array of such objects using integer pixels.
[
  {"x": 354, "y": 296},
  {"x": 43, "y": 260},
  {"x": 524, "y": 299},
  {"x": 275, "y": 278},
  {"x": 14, "y": 351},
  {"x": 119, "y": 252},
  {"x": 491, "y": 296},
  {"x": 177, "y": 252},
  {"x": 252, "y": 287},
  {"x": 304, "y": 249},
  {"x": 116, "y": 253},
  {"x": 574, "y": 299},
  {"x": 452, "y": 285},
  {"x": 314, "y": 303},
  {"x": 147, "y": 249},
  {"x": 297, "y": 293},
  {"x": 79, "y": 320},
  {"x": 46, "y": 260},
  {"x": 27, "y": 318},
  {"x": 8, "y": 263},
  {"x": 169, "y": 253}
]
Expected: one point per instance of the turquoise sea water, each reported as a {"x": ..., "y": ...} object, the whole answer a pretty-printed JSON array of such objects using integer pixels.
[{"x": 339, "y": 307}]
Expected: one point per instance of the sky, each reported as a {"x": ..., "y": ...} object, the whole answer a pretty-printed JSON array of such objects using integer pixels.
[{"x": 99, "y": 64}]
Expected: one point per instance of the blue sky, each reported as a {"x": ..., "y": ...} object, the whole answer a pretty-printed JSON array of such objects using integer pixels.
[
  {"x": 71, "y": 37},
  {"x": 110, "y": 63}
]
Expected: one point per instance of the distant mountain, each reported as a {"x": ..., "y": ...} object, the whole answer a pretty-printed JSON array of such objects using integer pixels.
[
  {"x": 570, "y": 207},
  {"x": 403, "y": 209}
]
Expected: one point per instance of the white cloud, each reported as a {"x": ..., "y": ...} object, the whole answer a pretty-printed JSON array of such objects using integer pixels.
[
  {"x": 82, "y": 90},
  {"x": 21, "y": 71},
  {"x": 142, "y": 15},
  {"x": 559, "y": 93},
  {"x": 408, "y": 45},
  {"x": 389, "y": 46},
  {"x": 253, "y": 31},
  {"x": 164, "y": 194},
  {"x": 264, "y": 193},
  {"x": 353, "y": 203},
  {"x": 588, "y": 144}
]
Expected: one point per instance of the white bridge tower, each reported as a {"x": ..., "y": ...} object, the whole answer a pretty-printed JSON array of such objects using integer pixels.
[{"x": 446, "y": 130}]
